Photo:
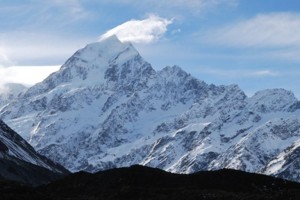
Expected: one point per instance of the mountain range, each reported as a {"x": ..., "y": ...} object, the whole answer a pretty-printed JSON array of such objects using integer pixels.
[{"x": 106, "y": 107}]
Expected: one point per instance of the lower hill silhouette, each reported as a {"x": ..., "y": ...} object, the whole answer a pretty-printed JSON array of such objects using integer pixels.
[
  {"x": 24, "y": 172},
  {"x": 139, "y": 182}
]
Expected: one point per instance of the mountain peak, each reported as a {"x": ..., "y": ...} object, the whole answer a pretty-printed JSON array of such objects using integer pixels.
[
  {"x": 94, "y": 64},
  {"x": 106, "y": 51},
  {"x": 111, "y": 39}
]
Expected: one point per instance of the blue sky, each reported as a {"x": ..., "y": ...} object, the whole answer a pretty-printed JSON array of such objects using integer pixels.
[{"x": 252, "y": 43}]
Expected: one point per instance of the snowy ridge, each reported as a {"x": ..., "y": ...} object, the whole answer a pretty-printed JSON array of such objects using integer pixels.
[{"x": 107, "y": 107}]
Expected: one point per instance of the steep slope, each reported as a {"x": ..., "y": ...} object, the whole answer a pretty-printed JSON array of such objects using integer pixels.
[
  {"x": 20, "y": 162},
  {"x": 107, "y": 107}
]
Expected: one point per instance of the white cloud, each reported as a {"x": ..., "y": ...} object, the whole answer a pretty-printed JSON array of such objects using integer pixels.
[
  {"x": 264, "y": 30},
  {"x": 140, "y": 31},
  {"x": 27, "y": 75},
  {"x": 38, "y": 48}
]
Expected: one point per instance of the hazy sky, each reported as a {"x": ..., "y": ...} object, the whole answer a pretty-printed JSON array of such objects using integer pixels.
[{"x": 253, "y": 43}]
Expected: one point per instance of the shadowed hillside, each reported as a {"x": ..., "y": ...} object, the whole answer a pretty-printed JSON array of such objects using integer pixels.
[{"x": 139, "y": 182}]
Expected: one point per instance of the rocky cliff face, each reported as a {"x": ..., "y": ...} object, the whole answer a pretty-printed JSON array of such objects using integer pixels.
[{"x": 107, "y": 107}]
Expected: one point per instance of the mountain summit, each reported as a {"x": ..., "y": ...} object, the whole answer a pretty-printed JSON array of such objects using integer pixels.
[
  {"x": 108, "y": 62},
  {"x": 106, "y": 107}
]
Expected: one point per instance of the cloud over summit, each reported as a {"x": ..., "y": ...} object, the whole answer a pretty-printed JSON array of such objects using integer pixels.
[{"x": 140, "y": 31}]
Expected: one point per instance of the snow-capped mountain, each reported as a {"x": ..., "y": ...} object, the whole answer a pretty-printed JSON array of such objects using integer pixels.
[
  {"x": 20, "y": 162},
  {"x": 106, "y": 107}
]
